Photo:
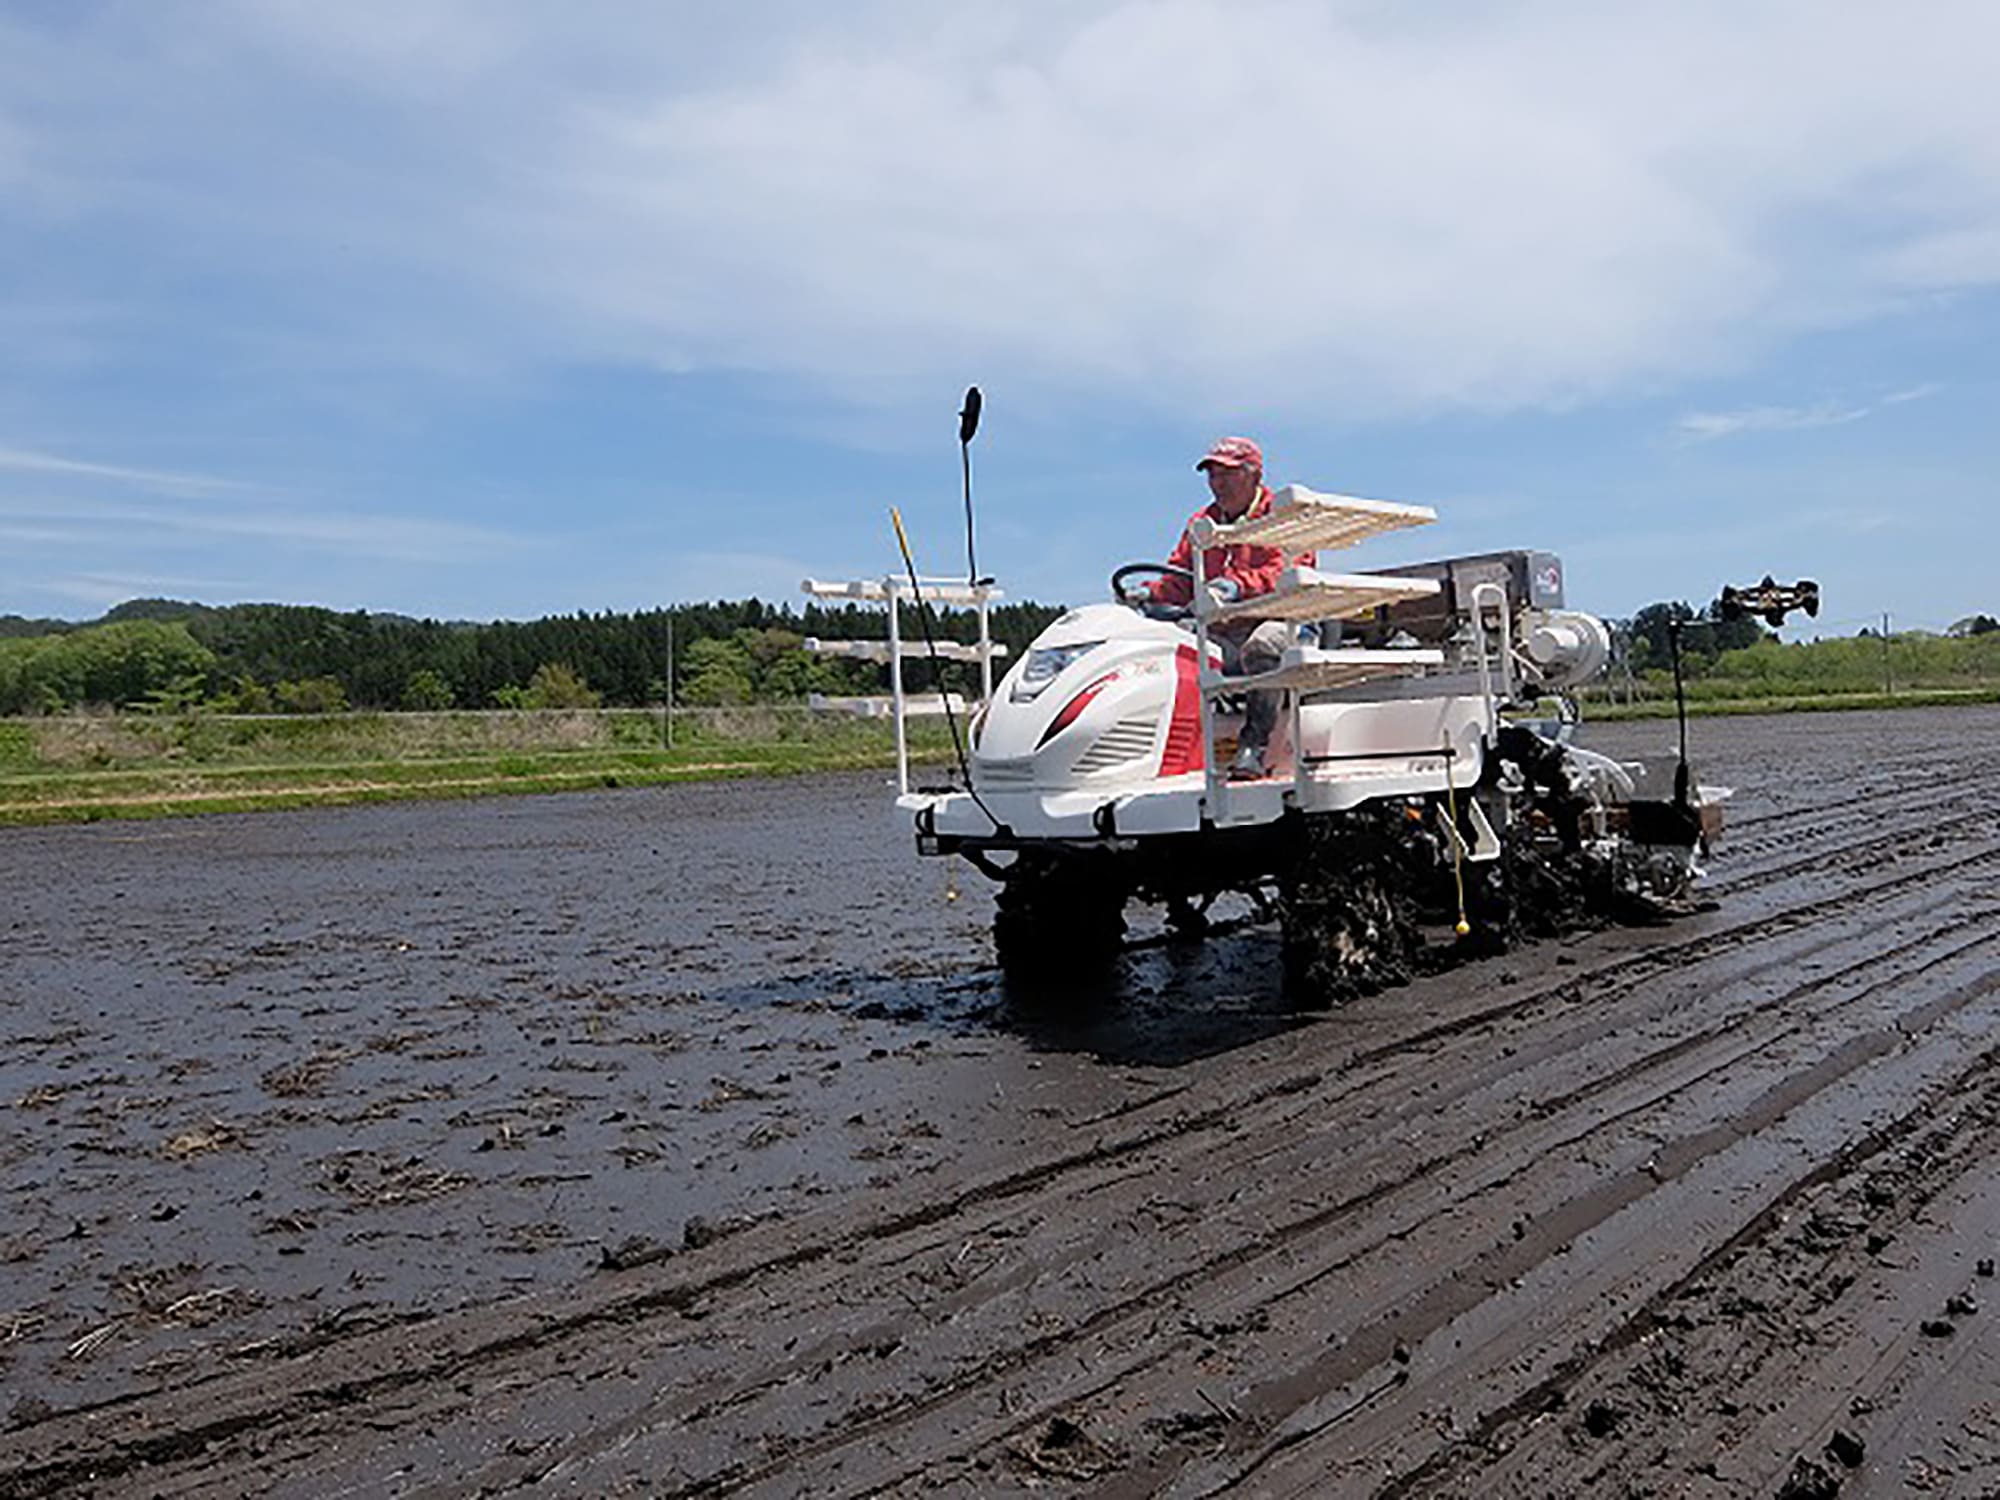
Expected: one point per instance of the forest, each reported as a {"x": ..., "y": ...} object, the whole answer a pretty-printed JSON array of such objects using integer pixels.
[{"x": 170, "y": 656}]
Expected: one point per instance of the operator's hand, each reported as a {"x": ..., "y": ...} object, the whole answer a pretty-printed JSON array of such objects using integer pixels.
[{"x": 1225, "y": 591}]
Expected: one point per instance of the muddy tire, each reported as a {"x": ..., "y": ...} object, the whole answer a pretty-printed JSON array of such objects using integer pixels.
[
  {"x": 1345, "y": 912},
  {"x": 1055, "y": 915}
]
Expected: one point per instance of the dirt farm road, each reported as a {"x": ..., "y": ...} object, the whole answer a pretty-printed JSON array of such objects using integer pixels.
[{"x": 682, "y": 1142}]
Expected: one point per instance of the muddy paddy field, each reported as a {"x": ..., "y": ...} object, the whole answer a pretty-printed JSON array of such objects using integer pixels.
[{"x": 685, "y": 1141}]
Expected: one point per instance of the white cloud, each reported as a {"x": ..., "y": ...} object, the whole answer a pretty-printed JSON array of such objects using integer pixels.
[
  {"x": 160, "y": 507},
  {"x": 1702, "y": 427},
  {"x": 398, "y": 538},
  {"x": 114, "y": 527},
  {"x": 1912, "y": 393},
  {"x": 28, "y": 461},
  {"x": 1358, "y": 208},
  {"x": 1706, "y": 426}
]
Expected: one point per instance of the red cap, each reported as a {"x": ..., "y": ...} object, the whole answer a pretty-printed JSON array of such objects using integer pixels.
[{"x": 1234, "y": 452}]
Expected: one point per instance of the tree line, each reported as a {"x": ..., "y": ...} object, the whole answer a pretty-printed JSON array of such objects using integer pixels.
[
  {"x": 169, "y": 655},
  {"x": 1707, "y": 634},
  {"x": 264, "y": 658}
]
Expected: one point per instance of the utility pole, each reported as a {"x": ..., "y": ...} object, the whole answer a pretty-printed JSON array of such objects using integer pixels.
[
  {"x": 667, "y": 713},
  {"x": 1888, "y": 673}
]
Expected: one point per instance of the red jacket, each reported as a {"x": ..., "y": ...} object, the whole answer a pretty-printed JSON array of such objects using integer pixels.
[{"x": 1254, "y": 569}]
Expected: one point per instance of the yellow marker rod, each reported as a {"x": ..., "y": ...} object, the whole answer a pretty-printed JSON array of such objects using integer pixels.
[
  {"x": 902, "y": 539},
  {"x": 1457, "y": 841}
]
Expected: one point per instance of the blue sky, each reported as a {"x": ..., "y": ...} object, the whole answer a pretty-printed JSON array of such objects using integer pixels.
[{"x": 496, "y": 308}]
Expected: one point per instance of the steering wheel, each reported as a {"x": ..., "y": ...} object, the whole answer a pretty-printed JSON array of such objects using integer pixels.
[{"x": 1146, "y": 569}]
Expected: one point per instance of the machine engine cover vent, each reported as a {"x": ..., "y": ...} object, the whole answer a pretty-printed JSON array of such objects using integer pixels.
[{"x": 1131, "y": 738}]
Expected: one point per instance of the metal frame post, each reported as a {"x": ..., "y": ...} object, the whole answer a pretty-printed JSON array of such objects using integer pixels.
[
  {"x": 893, "y": 588},
  {"x": 985, "y": 648},
  {"x": 1682, "y": 785},
  {"x": 1505, "y": 609}
]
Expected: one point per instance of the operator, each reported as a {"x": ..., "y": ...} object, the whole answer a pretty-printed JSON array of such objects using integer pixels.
[{"x": 1235, "y": 470}]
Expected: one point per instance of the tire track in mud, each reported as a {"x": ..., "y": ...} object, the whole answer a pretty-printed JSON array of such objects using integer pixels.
[
  {"x": 1761, "y": 861},
  {"x": 1140, "y": 1302},
  {"x": 1153, "y": 1293},
  {"x": 1941, "y": 776},
  {"x": 1846, "y": 785},
  {"x": 1734, "y": 1140},
  {"x": 1826, "y": 1268},
  {"x": 1952, "y": 805},
  {"x": 1471, "y": 1451},
  {"x": 1827, "y": 971}
]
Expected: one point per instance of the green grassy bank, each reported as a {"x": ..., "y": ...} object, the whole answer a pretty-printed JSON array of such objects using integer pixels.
[
  {"x": 89, "y": 767},
  {"x": 84, "y": 768}
]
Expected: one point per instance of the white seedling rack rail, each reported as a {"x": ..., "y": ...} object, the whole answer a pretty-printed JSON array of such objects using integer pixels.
[
  {"x": 1303, "y": 520},
  {"x": 895, "y": 593}
]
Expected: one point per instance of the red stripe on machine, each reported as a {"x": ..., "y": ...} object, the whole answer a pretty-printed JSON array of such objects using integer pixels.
[
  {"x": 1074, "y": 707},
  {"x": 1184, "y": 751}
]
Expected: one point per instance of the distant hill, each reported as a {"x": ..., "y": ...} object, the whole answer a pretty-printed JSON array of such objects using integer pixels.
[{"x": 152, "y": 609}]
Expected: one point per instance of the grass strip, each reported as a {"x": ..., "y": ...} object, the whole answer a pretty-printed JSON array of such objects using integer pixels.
[
  {"x": 153, "y": 779},
  {"x": 83, "y": 799}
]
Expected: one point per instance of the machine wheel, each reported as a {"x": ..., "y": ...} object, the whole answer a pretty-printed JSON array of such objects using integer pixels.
[
  {"x": 1053, "y": 915},
  {"x": 1345, "y": 911}
]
